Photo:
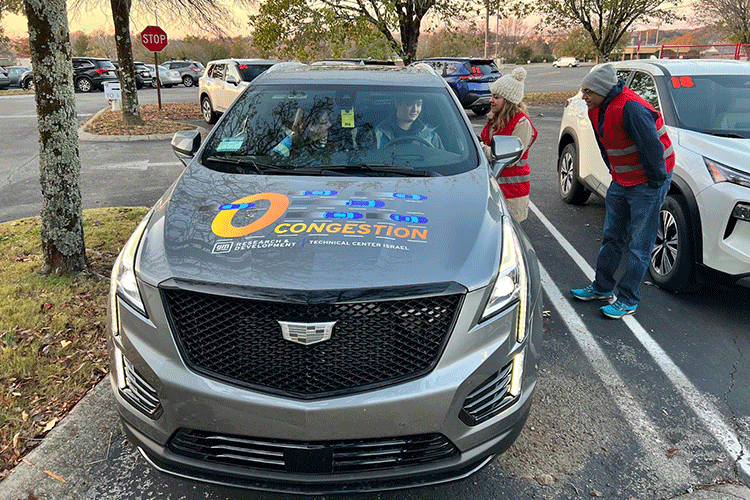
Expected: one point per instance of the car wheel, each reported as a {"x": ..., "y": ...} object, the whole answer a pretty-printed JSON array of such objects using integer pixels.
[
  {"x": 209, "y": 115},
  {"x": 671, "y": 265},
  {"x": 481, "y": 110},
  {"x": 188, "y": 81},
  {"x": 84, "y": 85},
  {"x": 571, "y": 189},
  {"x": 28, "y": 84}
]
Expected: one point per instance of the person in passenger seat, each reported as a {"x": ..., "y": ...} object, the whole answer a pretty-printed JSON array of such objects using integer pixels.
[
  {"x": 404, "y": 125},
  {"x": 309, "y": 133}
]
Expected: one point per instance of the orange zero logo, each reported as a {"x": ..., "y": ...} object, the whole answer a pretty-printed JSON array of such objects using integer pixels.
[{"x": 222, "y": 224}]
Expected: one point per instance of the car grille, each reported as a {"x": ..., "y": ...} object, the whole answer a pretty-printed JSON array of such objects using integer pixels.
[
  {"x": 373, "y": 343},
  {"x": 330, "y": 457}
]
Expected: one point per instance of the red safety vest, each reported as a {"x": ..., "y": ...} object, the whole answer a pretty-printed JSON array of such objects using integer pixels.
[
  {"x": 514, "y": 180},
  {"x": 627, "y": 168}
]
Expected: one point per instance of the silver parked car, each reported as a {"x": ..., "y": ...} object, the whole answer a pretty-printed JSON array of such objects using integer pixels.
[
  {"x": 705, "y": 220},
  {"x": 167, "y": 77},
  {"x": 330, "y": 316}
]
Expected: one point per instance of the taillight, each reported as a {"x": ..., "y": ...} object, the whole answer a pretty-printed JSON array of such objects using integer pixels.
[
  {"x": 101, "y": 71},
  {"x": 195, "y": 68}
]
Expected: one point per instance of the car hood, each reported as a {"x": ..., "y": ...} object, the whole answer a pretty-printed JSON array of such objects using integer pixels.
[
  {"x": 733, "y": 152},
  {"x": 313, "y": 233}
]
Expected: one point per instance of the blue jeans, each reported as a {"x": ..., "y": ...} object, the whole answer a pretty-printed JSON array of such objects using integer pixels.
[{"x": 631, "y": 223}]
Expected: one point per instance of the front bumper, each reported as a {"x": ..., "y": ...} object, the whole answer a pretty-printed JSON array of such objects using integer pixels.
[
  {"x": 726, "y": 237},
  {"x": 180, "y": 399}
]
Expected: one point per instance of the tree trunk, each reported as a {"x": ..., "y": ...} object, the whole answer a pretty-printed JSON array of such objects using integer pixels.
[
  {"x": 131, "y": 113},
  {"x": 59, "y": 165}
]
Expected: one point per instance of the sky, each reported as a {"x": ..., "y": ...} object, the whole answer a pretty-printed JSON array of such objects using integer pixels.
[{"x": 100, "y": 18}]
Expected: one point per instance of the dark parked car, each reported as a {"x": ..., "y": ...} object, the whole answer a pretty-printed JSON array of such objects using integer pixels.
[
  {"x": 337, "y": 314},
  {"x": 90, "y": 73},
  {"x": 143, "y": 76},
  {"x": 469, "y": 78},
  {"x": 15, "y": 73},
  {"x": 4, "y": 79},
  {"x": 190, "y": 71}
]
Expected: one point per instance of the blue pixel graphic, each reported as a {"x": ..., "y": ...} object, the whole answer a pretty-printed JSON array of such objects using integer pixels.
[
  {"x": 414, "y": 219},
  {"x": 236, "y": 206},
  {"x": 343, "y": 215}
]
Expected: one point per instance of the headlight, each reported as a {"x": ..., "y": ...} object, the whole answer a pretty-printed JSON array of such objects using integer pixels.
[
  {"x": 512, "y": 281},
  {"x": 722, "y": 173},
  {"x": 123, "y": 281}
]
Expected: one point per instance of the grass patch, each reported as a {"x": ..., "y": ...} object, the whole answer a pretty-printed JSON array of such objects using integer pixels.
[
  {"x": 52, "y": 328},
  {"x": 14, "y": 91},
  {"x": 548, "y": 98},
  {"x": 157, "y": 121}
]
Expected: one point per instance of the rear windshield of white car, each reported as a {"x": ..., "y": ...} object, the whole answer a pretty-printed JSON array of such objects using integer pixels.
[
  {"x": 713, "y": 104},
  {"x": 347, "y": 131}
]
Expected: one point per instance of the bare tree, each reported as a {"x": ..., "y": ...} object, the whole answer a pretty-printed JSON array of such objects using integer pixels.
[
  {"x": 59, "y": 164},
  {"x": 606, "y": 21},
  {"x": 731, "y": 16},
  {"x": 292, "y": 25},
  {"x": 510, "y": 32}
]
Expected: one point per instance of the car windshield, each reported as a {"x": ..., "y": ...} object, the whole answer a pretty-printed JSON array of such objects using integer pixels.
[
  {"x": 713, "y": 104},
  {"x": 335, "y": 130}
]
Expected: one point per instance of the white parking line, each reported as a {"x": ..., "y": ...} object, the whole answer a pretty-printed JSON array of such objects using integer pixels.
[
  {"x": 712, "y": 419},
  {"x": 646, "y": 432}
]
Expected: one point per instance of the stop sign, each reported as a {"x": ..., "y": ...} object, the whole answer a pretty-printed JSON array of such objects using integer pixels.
[{"x": 154, "y": 38}]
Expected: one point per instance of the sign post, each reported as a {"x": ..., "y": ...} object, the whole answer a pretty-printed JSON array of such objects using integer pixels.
[{"x": 155, "y": 39}]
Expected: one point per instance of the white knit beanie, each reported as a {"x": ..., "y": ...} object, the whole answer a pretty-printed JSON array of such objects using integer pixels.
[
  {"x": 600, "y": 79},
  {"x": 510, "y": 87}
]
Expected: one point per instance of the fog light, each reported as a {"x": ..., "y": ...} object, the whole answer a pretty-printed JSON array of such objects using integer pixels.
[
  {"x": 741, "y": 211},
  {"x": 517, "y": 373}
]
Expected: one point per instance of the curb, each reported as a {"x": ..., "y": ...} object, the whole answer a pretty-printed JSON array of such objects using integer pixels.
[{"x": 86, "y": 136}]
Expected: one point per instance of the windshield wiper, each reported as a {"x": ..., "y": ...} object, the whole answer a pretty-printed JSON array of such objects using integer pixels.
[
  {"x": 731, "y": 135},
  {"x": 240, "y": 161}
]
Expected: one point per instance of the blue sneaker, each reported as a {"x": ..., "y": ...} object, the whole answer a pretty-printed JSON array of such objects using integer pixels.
[
  {"x": 617, "y": 310},
  {"x": 589, "y": 293}
]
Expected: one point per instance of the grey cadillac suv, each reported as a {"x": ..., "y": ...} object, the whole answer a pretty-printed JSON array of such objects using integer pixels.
[{"x": 312, "y": 309}]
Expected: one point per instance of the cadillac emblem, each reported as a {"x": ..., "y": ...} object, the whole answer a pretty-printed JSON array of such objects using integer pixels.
[{"x": 306, "y": 333}]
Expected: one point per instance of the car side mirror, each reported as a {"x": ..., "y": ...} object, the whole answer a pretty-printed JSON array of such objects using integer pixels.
[
  {"x": 185, "y": 144},
  {"x": 506, "y": 150},
  {"x": 232, "y": 79}
]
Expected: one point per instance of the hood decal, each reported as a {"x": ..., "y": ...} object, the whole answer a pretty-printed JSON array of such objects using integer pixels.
[{"x": 384, "y": 220}]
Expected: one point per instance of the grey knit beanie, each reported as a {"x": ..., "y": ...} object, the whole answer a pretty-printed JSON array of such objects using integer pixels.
[
  {"x": 600, "y": 79},
  {"x": 510, "y": 87}
]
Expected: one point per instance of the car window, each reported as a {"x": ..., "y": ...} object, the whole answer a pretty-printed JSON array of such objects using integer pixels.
[
  {"x": 643, "y": 85},
  {"x": 250, "y": 71},
  {"x": 217, "y": 71},
  {"x": 715, "y": 104},
  {"x": 232, "y": 71},
  {"x": 624, "y": 74},
  {"x": 484, "y": 68},
  {"x": 263, "y": 118}
]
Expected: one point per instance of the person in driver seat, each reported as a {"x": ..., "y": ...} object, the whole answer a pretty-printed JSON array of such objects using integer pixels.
[{"x": 404, "y": 125}]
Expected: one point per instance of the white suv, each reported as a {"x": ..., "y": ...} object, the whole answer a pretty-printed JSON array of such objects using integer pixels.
[
  {"x": 224, "y": 80},
  {"x": 570, "y": 62},
  {"x": 705, "y": 220}
]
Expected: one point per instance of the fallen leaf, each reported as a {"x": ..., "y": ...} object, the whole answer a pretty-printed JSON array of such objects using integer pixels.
[
  {"x": 596, "y": 493},
  {"x": 671, "y": 452},
  {"x": 65, "y": 343},
  {"x": 50, "y": 425},
  {"x": 24, "y": 415},
  {"x": 52, "y": 474},
  {"x": 15, "y": 440},
  {"x": 47, "y": 306}
]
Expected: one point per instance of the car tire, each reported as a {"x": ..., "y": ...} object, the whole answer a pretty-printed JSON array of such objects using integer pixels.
[
  {"x": 188, "y": 81},
  {"x": 672, "y": 259},
  {"x": 84, "y": 84},
  {"x": 28, "y": 84},
  {"x": 481, "y": 110},
  {"x": 209, "y": 115},
  {"x": 571, "y": 188}
]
